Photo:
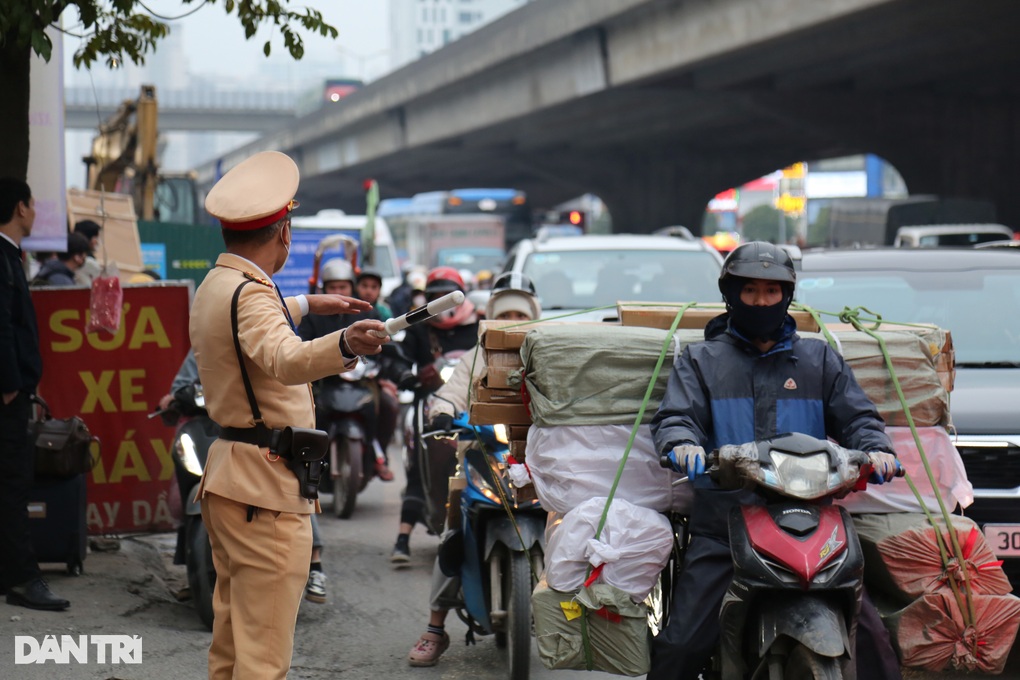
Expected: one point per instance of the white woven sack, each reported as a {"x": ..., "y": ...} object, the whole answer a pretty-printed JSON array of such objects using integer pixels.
[{"x": 570, "y": 464}]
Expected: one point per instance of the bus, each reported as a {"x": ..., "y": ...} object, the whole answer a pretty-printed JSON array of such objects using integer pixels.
[{"x": 510, "y": 204}]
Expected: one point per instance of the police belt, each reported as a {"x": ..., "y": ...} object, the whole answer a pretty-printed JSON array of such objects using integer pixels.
[{"x": 260, "y": 435}]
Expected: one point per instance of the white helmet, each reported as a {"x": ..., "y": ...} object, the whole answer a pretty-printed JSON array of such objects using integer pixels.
[{"x": 337, "y": 269}]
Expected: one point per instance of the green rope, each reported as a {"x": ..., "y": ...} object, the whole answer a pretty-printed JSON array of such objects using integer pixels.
[
  {"x": 588, "y": 660},
  {"x": 966, "y": 602}
]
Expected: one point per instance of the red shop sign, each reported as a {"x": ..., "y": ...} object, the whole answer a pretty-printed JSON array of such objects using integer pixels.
[{"x": 113, "y": 381}]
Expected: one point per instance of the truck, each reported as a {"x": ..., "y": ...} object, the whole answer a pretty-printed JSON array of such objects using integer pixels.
[
  {"x": 855, "y": 222},
  {"x": 473, "y": 241}
]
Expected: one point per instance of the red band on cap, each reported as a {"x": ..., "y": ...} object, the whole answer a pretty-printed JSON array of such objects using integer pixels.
[{"x": 257, "y": 223}]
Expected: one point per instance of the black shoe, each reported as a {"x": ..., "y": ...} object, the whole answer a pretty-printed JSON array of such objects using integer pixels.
[
  {"x": 401, "y": 553},
  {"x": 35, "y": 594}
]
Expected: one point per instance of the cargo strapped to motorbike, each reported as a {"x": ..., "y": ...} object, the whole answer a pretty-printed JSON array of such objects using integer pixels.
[
  {"x": 958, "y": 623},
  {"x": 302, "y": 448}
]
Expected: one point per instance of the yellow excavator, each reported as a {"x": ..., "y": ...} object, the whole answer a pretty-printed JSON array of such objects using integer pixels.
[{"x": 124, "y": 159}]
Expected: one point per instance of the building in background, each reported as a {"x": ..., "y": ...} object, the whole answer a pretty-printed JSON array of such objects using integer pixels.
[{"x": 418, "y": 27}]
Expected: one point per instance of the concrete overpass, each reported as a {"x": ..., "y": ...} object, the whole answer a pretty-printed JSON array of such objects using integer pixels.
[
  {"x": 188, "y": 110},
  {"x": 655, "y": 105}
]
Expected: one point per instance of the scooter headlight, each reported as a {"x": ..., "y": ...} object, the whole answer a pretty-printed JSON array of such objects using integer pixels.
[
  {"x": 479, "y": 481},
  {"x": 445, "y": 372},
  {"x": 499, "y": 431},
  {"x": 806, "y": 477},
  {"x": 189, "y": 457}
]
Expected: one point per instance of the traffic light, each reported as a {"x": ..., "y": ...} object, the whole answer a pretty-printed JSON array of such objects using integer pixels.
[{"x": 575, "y": 218}]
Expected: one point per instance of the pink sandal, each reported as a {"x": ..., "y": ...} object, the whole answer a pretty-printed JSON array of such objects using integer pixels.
[{"x": 428, "y": 649}]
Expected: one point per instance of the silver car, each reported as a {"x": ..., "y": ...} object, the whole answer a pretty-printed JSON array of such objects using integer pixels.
[
  {"x": 975, "y": 294},
  {"x": 585, "y": 276}
]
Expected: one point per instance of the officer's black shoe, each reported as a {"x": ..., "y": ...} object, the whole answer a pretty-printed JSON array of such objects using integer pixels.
[{"x": 35, "y": 594}]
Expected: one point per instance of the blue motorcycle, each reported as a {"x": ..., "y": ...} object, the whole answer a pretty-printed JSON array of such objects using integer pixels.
[{"x": 500, "y": 547}]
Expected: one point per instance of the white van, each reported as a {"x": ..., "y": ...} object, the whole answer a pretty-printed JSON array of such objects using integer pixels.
[
  {"x": 934, "y": 235},
  {"x": 307, "y": 232}
]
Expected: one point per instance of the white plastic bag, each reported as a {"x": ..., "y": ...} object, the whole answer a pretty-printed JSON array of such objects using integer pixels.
[
  {"x": 572, "y": 463},
  {"x": 896, "y": 496},
  {"x": 633, "y": 547}
]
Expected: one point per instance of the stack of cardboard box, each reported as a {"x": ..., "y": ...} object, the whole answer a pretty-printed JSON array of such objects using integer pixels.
[{"x": 497, "y": 397}]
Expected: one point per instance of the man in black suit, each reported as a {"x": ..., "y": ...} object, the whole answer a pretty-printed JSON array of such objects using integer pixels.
[{"x": 20, "y": 370}]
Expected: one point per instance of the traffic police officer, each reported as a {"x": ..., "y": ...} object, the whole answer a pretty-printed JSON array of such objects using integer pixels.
[{"x": 257, "y": 519}]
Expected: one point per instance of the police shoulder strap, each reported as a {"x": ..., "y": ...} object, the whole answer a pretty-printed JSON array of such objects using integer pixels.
[{"x": 256, "y": 413}]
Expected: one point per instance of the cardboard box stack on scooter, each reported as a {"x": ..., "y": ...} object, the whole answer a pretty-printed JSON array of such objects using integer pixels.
[
  {"x": 586, "y": 383},
  {"x": 931, "y": 626}
]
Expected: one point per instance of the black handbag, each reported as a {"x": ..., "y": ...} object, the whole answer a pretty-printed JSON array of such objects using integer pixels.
[{"x": 62, "y": 446}]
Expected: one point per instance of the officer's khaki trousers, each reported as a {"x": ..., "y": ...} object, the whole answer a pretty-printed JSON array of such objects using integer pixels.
[{"x": 261, "y": 570}]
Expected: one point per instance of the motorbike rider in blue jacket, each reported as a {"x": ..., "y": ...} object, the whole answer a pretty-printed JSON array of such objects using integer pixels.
[{"x": 754, "y": 377}]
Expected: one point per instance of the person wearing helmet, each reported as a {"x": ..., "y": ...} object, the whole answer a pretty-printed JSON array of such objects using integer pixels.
[
  {"x": 412, "y": 281},
  {"x": 369, "y": 288},
  {"x": 449, "y": 334},
  {"x": 513, "y": 299},
  {"x": 751, "y": 378},
  {"x": 483, "y": 280},
  {"x": 337, "y": 276}
]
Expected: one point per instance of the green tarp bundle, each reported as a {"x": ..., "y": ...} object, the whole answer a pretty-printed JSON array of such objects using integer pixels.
[
  {"x": 585, "y": 374},
  {"x": 618, "y": 632}
]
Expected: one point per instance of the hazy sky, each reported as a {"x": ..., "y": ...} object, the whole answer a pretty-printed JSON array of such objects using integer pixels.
[
  {"x": 214, "y": 42},
  {"x": 211, "y": 44}
]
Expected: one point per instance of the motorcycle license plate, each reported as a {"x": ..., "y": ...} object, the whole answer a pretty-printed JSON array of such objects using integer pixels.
[{"x": 1003, "y": 539}]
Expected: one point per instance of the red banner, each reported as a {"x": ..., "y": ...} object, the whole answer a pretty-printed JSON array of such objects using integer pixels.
[{"x": 113, "y": 381}]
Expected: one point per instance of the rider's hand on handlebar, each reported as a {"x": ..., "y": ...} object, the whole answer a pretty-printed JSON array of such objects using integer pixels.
[
  {"x": 884, "y": 467},
  {"x": 429, "y": 378},
  {"x": 441, "y": 422},
  {"x": 688, "y": 459}
]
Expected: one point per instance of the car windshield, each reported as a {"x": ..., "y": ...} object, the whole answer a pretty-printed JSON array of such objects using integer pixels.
[
  {"x": 474, "y": 260},
  {"x": 581, "y": 279},
  {"x": 980, "y": 308}
]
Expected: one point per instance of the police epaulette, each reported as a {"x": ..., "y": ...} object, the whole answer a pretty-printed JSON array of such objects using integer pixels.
[{"x": 257, "y": 279}]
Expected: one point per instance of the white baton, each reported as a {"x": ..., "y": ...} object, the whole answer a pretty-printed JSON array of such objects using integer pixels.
[{"x": 434, "y": 308}]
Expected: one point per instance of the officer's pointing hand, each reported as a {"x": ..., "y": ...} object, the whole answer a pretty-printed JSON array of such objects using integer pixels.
[
  {"x": 361, "y": 341},
  {"x": 335, "y": 304}
]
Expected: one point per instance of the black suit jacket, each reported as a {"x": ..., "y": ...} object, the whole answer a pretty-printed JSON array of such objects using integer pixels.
[{"x": 20, "y": 362}]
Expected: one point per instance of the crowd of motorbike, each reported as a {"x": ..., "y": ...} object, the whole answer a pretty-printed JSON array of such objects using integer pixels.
[{"x": 495, "y": 545}]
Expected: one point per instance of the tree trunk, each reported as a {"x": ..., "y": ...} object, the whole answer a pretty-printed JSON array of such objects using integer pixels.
[{"x": 14, "y": 84}]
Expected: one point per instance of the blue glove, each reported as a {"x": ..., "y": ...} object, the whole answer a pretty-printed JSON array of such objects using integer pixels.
[
  {"x": 688, "y": 459},
  {"x": 885, "y": 467}
]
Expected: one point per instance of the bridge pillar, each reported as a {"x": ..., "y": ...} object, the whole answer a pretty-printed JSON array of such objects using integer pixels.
[
  {"x": 644, "y": 193},
  {"x": 964, "y": 149}
]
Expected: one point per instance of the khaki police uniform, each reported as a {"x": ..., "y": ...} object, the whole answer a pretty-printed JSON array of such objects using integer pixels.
[{"x": 257, "y": 520}]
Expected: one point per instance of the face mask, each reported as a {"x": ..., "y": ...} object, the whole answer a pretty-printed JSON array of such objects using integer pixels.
[
  {"x": 283, "y": 264},
  {"x": 757, "y": 322},
  {"x": 752, "y": 321}
]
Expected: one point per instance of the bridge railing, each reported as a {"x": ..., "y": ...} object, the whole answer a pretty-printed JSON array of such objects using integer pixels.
[{"x": 282, "y": 100}]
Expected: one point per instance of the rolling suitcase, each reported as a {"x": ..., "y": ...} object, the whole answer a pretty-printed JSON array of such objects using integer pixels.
[{"x": 56, "y": 518}]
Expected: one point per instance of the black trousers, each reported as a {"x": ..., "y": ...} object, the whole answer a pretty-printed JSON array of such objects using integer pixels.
[
  {"x": 684, "y": 648},
  {"x": 17, "y": 560}
]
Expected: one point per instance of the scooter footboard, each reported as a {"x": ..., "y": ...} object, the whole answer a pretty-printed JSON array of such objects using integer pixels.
[{"x": 815, "y": 622}]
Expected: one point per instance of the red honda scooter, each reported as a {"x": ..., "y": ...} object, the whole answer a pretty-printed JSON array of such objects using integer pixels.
[{"x": 798, "y": 569}]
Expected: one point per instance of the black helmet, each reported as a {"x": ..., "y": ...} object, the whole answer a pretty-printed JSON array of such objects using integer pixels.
[
  {"x": 758, "y": 260},
  {"x": 513, "y": 281},
  {"x": 370, "y": 273}
]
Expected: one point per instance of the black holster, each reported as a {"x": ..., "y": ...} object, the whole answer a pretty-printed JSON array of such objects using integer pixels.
[{"x": 304, "y": 449}]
